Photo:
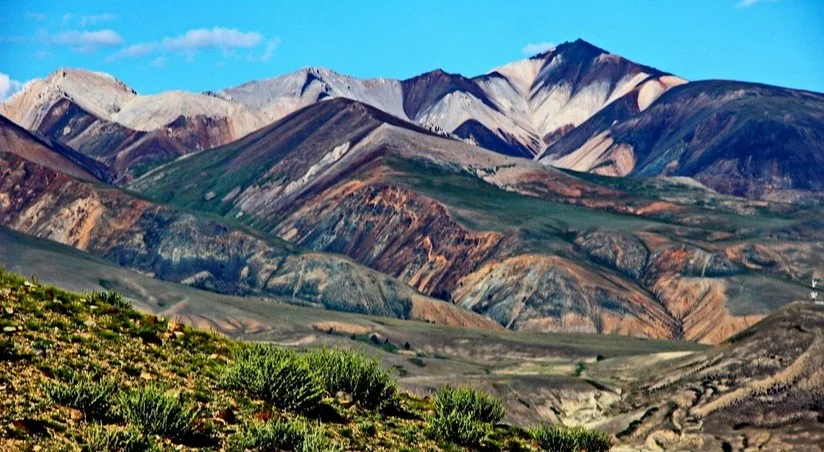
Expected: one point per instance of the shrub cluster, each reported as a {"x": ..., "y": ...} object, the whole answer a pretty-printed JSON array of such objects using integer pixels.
[
  {"x": 464, "y": 415},
  {"x": 370, "y": 385},
  {"x": 296, "y": 436},
  {"x": 279, "y": 376},
  {"x": 110, "y": 298},
  {"x": 102, "y": 439},
  {"x": 154, "y": 412},
  {"x": 576, "y": 439},
  {"x": 95, "y": 398}
]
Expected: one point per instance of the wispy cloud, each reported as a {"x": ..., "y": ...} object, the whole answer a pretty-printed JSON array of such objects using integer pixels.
[
  {"x": 135, "y": 50},
  {"x": 158, "y": 62},
  {"x": 88, "y": 19},
  {"x": 537, "y": 47},
  {"x": 748, "y": 3},
  {"x": 271, "y": 46},
  {"x": 226, "y": 40},
  {"x": 86, "y": 41},
  {"x": 8, "y": 86}
]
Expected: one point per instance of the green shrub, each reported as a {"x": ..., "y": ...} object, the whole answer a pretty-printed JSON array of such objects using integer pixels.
[
  {"x": 110, "y": 298},
  {"x": 280, "y": 435},
  {"x": 476, "y": 404},
  {"x": 370, "y": 385},
  {"x": 576, "y": 439},
  {"x": 459, "y": 428},
  {"x": 94, "y": 398},
  {"x": 154, "y": 412},
  {"x": 276, "y": 375},
  {"x": 101, "y": 439},
  {"x": 464, "y": 415}
]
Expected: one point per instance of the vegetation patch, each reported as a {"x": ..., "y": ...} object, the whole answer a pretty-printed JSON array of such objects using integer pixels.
[
  {"x": 91, "y": 395},
  {"x": 279, "y": 376},
  {"x": 78, "y": 373},
  {"x": 464, "y": 415},
  {"x": 363, "y": 378},
  {"x": 114, "y": 439},
  {"x": 154, "y": 412},
  {"x": 295, "y": 435},
  {"x": 574, "y": 439}
]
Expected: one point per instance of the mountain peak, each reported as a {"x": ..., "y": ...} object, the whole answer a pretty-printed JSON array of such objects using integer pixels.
[{"x": 83, "y": 76}]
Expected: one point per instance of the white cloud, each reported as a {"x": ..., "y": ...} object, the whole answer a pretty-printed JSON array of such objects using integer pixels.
[
  {"x": 96, "y": 18},
  {"x": 158, "y": 62},
  {"x": 87, "y": 41},
  {"x": 135, "y": 50},
  {"x": 748, "y": 3},
  {"x": 271, "y": 46},
  {"x": 8, "y": 86},
  {"x": 224, "y": 39},
  {"x": 534, "y": 48}
]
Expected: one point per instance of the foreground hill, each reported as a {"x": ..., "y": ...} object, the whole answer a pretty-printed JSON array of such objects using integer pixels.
[
  {"x": 69, "y": 361},
  {"x": 88, "y": 372},
  {"x": 39, "y": 200},
  {"x": 506, "y": 237}
]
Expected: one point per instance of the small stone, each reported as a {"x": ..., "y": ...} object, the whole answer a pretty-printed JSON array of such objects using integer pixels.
[
  {"x": 9, "y": 329},
  {"x": 9, "y": 310},
  {"x": 343, "y": 398},
  {"x": 263, "y": 415},
  {"x": 75, "y": 415}
]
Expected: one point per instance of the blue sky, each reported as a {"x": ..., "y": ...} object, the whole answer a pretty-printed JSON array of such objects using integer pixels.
[{"x": 198, "y": 45}]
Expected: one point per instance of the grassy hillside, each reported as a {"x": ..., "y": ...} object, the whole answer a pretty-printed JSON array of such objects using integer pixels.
[{"x": 89, "y": 372}]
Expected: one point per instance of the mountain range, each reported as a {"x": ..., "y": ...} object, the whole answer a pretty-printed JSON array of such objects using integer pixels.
[{"x": 572, "y": 191}]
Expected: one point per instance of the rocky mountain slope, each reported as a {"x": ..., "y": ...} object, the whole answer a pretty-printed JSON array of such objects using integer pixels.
[
  {"x": 99, "y": 116},
  {"x": 39, "y": 200},
  {"x": 16, "y": 140},
  {"x": 744, "y": 139},
  {"x": 575, "y": 106},
  {"x": 503, "y": 236},
  {"x": 516, "y": 109},
  {"x": 762, "y": 389}
]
